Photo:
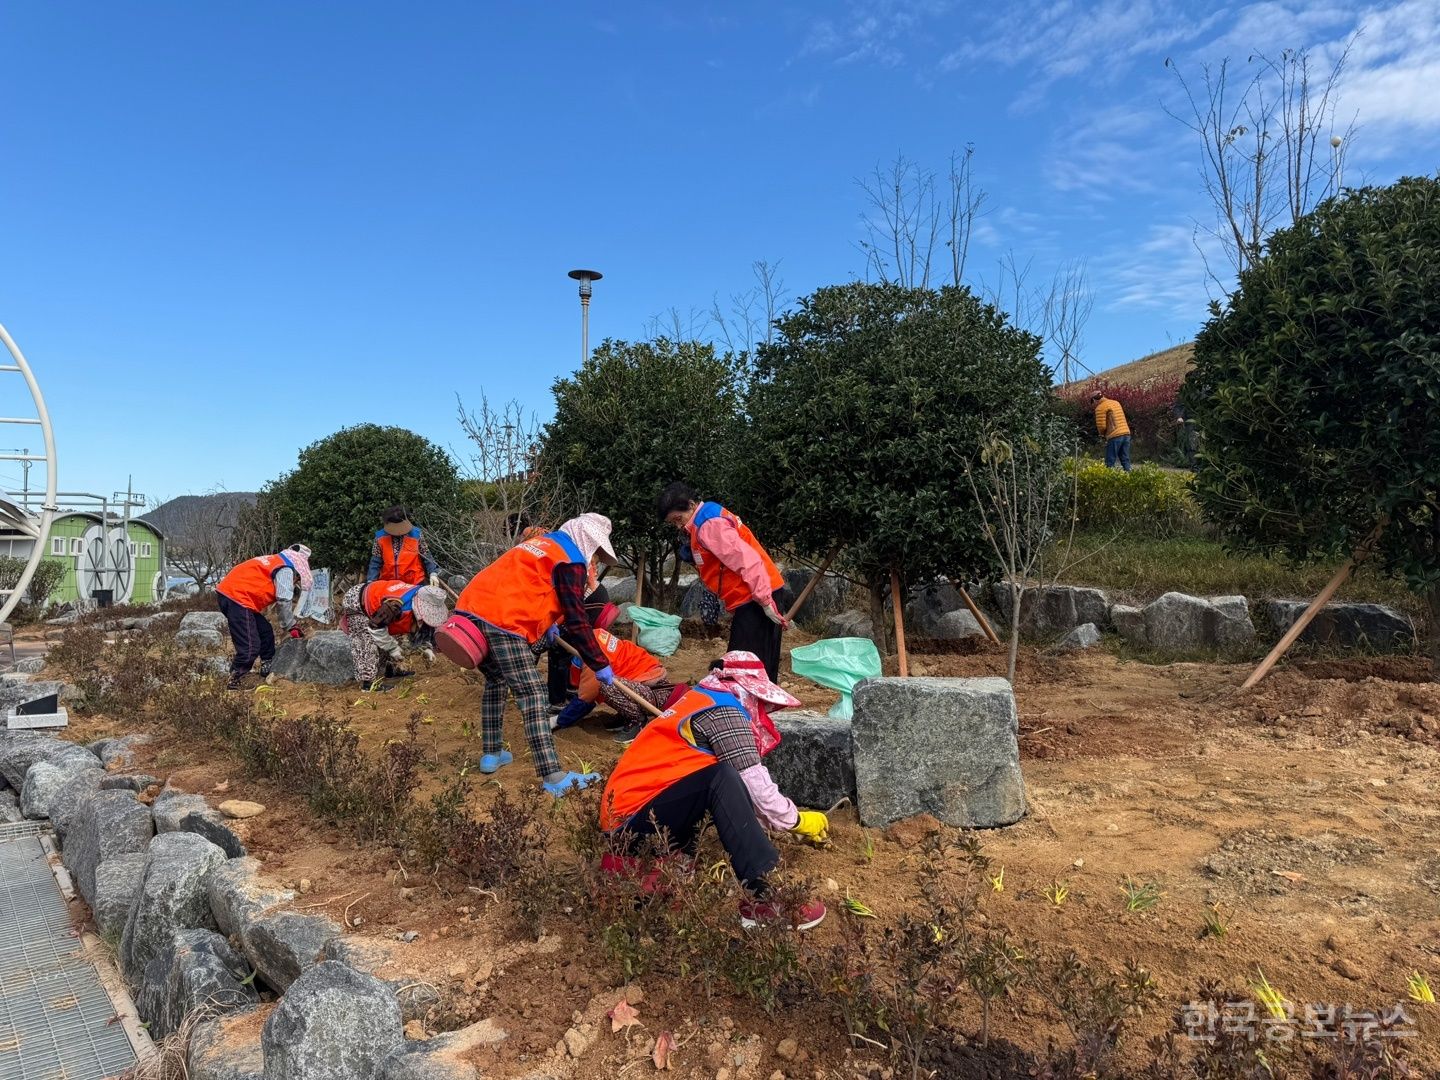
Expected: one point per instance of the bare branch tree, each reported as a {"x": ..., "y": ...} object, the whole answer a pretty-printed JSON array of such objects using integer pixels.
[
  {"x": 908, "y": 215},
  {"x": 1268, "y": 146},
  {"x": 675, "y": 326},
  {"x": 750, "y": 320},
  {"x": 1064, "y": 313},
  {"x": 200, "y": 534},
  {"x": 504, "y": 488}
]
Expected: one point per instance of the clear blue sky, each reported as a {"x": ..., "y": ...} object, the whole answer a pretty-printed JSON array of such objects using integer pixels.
[{"x": 230, "y": 229}]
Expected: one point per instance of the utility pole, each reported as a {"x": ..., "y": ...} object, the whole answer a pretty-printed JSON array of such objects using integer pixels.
[{"x": 586, "y": 278}]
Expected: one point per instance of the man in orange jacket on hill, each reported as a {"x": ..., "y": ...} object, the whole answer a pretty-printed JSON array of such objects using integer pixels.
[{"x": 1110, "y": 423}]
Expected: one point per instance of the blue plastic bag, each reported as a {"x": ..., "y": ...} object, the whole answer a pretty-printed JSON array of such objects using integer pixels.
[
  {"x": 659, "y": 631},
  {"x": 838, "y": 663}
]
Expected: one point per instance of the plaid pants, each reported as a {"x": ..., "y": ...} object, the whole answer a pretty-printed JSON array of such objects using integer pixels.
[
  {"x": 628, "y": 710},
  {"x": 510, "y": 668}
]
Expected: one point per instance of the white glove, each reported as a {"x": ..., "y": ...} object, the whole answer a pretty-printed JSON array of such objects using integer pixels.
[
  {"x": 436, "y": 581},
  {"x": 385, "y": 642}
]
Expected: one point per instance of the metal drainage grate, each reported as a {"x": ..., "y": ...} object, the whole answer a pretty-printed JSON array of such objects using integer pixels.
[{"x": 56, "y": 1021}]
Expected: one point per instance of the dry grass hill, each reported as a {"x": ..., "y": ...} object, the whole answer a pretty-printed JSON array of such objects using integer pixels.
[{"x": 1167, "y": 364}]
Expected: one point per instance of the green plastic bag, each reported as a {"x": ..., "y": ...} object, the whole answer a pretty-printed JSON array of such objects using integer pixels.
[
  {"x": 659, "y": 631},
  {"x": 838, "y": 663}
]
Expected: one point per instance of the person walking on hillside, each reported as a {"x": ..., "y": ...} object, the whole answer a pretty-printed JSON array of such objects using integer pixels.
[
  {"x": 700, "y": 760},
  {"x": 735, "y": 567},
  {"x": 247, "y": 591},
  {"x": 377, "y": 614},
  {"x": 517, "y": 601},
  {"x": 400, "y": 553},
  {"x": 1112, "y": 427}
]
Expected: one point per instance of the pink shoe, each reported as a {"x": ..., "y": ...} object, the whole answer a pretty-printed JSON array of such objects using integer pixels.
[{"x": 808, "y": 915}]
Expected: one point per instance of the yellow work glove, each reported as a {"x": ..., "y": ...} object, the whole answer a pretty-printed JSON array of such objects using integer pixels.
[{"x": 813, "y": 827}]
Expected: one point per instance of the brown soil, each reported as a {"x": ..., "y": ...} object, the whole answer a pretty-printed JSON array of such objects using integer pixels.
[{"x": 1306, "y": 810}]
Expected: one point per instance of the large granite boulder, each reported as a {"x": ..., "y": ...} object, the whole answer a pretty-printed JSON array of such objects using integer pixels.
[
  {"x": 928, "y": 604},
  {"x": 1082, "y": 637},
  {"x": 175, "y": 811},
  {"x": 691, "y": 599},
  {"x": 20, "y": 750},
  {"x": 621, "y": 589},
  {"x": 850, "y": 623},
  {"x": 204, "y": 620},
  {"x": 45, "y": 780},
  {"x": 392, "y": 963},
  {"x": 198, "y": 635},
  {"x": 226, "y": 1048},
  {"x": 117, "y": 884},
  {"x": 10, "y": 807},
  {"x": 332, "y": 1024},
  {"x": 443, "y": 1057},
  {"x": 119, "y": 752},
  {"x": 108, "y": 824},
  {"x": 956, "y": 626},
  {"x": 172, "y": 806},
  {"x": 319, "y": 658},
  {"x": 1052, "y": 610},
  {"x": 826, "y": 599},
  {"x": 238, "y": 895},
  {"x": 815, "y": 761},
  {"x": 283, "y": 945},
  {"x": 946, "y": 747},
  {"x": 1179, "y": 622},
  {"x": 194, "y": 969},
  {"x": 1129, "y": 623},
  {"x": 171, "y": 897},
  {"x": 1373, "y": 627}
]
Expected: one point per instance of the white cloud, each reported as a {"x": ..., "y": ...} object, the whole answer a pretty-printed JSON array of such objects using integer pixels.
[
  {"x": 1167, "y": 272},
  {"x": 878, "y": 32},
  {"x": 1392, "y": 77}
]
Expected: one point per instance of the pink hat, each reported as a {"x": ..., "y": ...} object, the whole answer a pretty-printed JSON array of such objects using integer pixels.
[
  {"x": 744, "y": 669},
  {"x": 429, "y": 606}
]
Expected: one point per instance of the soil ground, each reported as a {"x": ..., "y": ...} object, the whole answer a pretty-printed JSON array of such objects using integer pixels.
[{"x": 1306, "y": 810}]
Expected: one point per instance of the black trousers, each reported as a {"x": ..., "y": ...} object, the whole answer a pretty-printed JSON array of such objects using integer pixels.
[
  {"x": 716, "y": 790},
  {"x": 557, "y": 670},
  {"x": 752, "y": 631},
  {"x": 251, "y": 634}
]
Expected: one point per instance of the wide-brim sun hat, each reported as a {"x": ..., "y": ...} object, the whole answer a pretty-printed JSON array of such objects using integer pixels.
[
  {"x": 398, "y": 528},
  {"x": 591, "y": 532},
  {"x": 745, "y": 670},
  {"x": 430, "y": 607}
]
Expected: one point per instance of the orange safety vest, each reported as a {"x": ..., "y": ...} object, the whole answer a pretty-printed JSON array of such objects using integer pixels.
[
  {"x": 377, "y": 592},
  {"x": 662, "y": 754},
  {"x": 626, "y": 659},
  {"x": 400, "y": 557},
  {"x": 251, "y": 584},
  {"x": 517, "y": 591},
  {"x": 729, "y": 586}
]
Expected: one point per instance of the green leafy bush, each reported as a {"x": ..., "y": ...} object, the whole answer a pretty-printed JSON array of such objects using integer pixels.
[
  {"x": 1147, "y": 500},
  {"x": 1315, "y": 389}
]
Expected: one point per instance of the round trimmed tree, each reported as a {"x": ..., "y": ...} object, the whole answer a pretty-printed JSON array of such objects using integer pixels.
[{"x": 1317, "y": 390}]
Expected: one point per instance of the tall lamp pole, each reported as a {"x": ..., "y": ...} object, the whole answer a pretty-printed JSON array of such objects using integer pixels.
[
  {"x": 1336, "y": 144},
  {"x": 585, "y": 278}
]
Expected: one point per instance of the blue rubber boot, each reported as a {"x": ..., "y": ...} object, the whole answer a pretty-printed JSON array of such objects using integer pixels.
[
  {"x": 571, "y": 781},
  {"x": 495, "y": 762}
]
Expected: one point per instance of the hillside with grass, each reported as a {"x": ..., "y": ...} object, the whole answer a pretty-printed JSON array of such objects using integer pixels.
[{"x": 1166, "y": 366}]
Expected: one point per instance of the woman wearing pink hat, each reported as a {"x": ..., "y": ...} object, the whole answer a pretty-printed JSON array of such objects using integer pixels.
[
  {"x": 702, "y": 757},
  {"x": 377, "y": 615}
]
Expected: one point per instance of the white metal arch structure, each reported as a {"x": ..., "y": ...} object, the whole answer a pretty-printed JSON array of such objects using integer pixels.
[{"x": 38, "y": 529}]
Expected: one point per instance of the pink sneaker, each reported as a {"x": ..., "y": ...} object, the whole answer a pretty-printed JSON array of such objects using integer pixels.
[{"x": 808, "y": 915}]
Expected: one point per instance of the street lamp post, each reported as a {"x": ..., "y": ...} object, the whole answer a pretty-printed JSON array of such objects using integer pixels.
[
  {"x": 585, "y": 278},
  {"x": 1336, "y": 144}
]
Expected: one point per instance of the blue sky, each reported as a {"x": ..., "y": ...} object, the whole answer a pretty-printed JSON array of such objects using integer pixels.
[{"x": 229, "y": 230}]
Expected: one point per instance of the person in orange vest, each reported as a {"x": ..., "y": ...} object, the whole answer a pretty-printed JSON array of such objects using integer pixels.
[
  {"x": 699, "y": 759},
  {"x": 400, "y": 552},
  {"x": 517, "y": 602},
  {"x": 634, "y": 667},
  {"x": 1111, "y": 425},
  {"x": 735, "y": 567},
  {"x": 377, "y": 614},
  {"x": 247, "y": 591}
]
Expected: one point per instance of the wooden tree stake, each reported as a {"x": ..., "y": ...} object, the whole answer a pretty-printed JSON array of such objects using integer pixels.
[
  {"x": 648, "y": 706},
  {"x": 1283, "y": 645},
  {"x": 810, "y": 585},
  {"x": 639, "y": 595},
  {"x": 899, "y": 624},
  {"x": 979, "y": 616}
]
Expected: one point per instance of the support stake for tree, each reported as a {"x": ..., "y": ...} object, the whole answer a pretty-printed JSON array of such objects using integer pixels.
[
  {"x": 979, "y": 617},
  {"x": 810, "y": 585},
  {"x": 1362, "y": 553},
  {"x": 900, "y": 653},
  {"x": 639, "y": 594}
]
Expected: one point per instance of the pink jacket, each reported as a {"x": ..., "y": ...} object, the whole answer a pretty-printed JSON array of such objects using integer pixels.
[{"x": 721, "y": 540}]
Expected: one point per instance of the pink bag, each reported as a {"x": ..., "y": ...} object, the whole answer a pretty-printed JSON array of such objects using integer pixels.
[{"x": 462, "y": 642}]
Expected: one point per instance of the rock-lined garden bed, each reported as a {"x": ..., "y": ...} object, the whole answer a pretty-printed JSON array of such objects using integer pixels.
[{"x": 198, "y": 927}]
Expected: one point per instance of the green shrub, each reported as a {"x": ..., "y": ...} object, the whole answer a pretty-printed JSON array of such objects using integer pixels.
[{"x": 1147, "y": 500}]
